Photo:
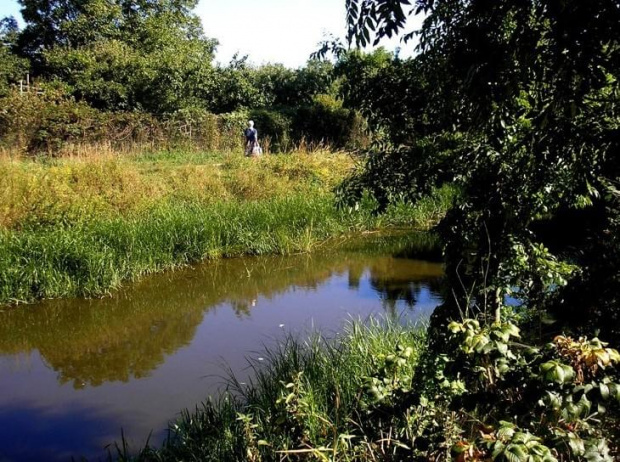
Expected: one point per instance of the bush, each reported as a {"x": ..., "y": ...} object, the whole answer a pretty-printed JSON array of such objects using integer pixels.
[
  {"x": 50, "y": 122},
  {"x": 275, "y": 129},
  {"x": 47, "y": 121},
  {"x": 326, "y": 122}
]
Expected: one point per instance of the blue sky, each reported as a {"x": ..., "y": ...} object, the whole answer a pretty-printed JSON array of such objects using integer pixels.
[{"x": 283, "y": 31}]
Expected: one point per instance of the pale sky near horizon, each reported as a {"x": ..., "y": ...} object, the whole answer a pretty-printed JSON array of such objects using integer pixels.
[{"x": 274, "y": 31}]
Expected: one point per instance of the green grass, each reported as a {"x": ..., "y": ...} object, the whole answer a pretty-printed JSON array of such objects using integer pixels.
[
  {"x": 82, "y": 227},
  {"x": 318, "y": 399},
  {"x": 92, "y": 258}
]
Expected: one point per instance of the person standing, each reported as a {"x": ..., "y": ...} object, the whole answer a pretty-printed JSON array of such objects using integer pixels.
[{"x": 252, "y": 147}]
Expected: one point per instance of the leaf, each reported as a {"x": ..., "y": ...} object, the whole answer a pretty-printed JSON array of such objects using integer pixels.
[
  {"x": 604, "y": 389},
  {"x": 506, "y": 432},
  {"x": 515, "y": 453},
  {"x": 512, "y": 330},
  {"x": 576, "y": 445}
]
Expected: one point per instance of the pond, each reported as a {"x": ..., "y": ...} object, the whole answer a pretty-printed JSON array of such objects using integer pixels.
[{"x": 73, "y": 373}]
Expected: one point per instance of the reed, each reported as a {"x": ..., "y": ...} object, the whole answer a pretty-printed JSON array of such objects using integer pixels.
[
  {"x": 94, "y": 257},
  {"x": 308, "y": 400}
]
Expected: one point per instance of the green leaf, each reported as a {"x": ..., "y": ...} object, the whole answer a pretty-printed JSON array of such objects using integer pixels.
[{"x": 604, "y": 389}]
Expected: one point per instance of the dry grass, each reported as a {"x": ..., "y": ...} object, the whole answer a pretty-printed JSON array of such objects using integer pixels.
[{"x": 102, "y": 183}]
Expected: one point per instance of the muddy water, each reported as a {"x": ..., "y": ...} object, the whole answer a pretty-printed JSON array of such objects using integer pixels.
[{"x": 73, "y": 373}]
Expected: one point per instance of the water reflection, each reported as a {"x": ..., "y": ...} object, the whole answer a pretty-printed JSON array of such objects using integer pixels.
[
  {"x": 139, "y": 357},
  {"x": 90, "y": 342}
]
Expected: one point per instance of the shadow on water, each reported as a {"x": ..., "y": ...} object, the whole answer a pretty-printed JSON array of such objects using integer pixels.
[{"x": 120, "y": 353}]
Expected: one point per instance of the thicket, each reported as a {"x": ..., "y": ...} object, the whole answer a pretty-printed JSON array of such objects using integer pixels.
[
  {"x": 522, "y": 114},
  {"x": 55, "y": 124}
]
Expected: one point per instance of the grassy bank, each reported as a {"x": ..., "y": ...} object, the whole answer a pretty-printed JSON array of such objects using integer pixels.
[
  {"x": 379, "y": 392},
  {"x": 82, "y": 226},
  {"x": 313, "y": 400}
]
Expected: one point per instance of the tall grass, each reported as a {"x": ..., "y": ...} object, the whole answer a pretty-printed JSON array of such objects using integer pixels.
[
  {"x": 95, "y": 257},
  {"x": 107, "y": 185},
  {"x": 309, "y": 400},
  {"x": 83, "y": 226}
]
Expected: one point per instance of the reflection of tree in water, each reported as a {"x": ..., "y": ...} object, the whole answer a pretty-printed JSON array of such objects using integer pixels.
[
  {"x": 391, "y": 292},
  {"x": 355, "y": 275},
  {"x": 243, "y": 307},
  {"x": 91, "y": 342},
  {"x": 399, "y": 281}
]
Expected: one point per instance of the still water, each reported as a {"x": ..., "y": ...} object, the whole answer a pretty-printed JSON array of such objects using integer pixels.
[{"x": 73, "y": 373}]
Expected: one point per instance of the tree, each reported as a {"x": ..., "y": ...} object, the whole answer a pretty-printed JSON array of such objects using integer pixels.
[
  {"x": 535, "y": 85},
  {"x": 12, "y": 67},
  {"x": 403, "y": 113},
  {"x": 147, "y": 54},
  {"x": 66, "y": 23},
  {"x": 316, "y": 78}
]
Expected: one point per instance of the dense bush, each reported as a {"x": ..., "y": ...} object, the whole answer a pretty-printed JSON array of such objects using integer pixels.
[
  {"x": 276, "y": 130},
  {"x": 52, "y": 123},
  {"x": 326, "y": 121}
]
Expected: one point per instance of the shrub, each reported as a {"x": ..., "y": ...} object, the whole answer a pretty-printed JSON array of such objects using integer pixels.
[{"x": 275, "y": 128}]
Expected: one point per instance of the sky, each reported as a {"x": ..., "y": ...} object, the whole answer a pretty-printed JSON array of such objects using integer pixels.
[{"x": 268, "y": 31}]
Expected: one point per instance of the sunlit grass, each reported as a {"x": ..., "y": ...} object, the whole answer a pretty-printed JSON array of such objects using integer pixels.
[
  {"x": 106, "y": 185},
  {"x": 82, "y": 226},
  {"x": 307, "y": 400}
]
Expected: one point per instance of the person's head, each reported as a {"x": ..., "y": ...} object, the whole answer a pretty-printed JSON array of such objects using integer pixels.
[{"x": 251, "y": 124}]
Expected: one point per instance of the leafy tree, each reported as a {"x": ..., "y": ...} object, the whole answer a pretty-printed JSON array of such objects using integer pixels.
[
  {"x": 277, "y": 83},
  {"x": 12, "y": 67},
  {"x": 234, "y": 87},
  {"x": 358, "y": 69},
  {"x": 404, "y": 112},
  {"x": 536, "y": 89},
  {"x": 121, "y": 54},
  {"x": 66, "y": 23},
  {"x": 532, "y": 88},
  {"x": 316, "y": 78}
]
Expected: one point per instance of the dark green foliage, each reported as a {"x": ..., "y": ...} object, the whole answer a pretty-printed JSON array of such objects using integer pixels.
[
  {"x": 532, "y": 88},
  {"x": 276, "y": 127},
  {"x": 240, "y": 85},
  {"x": 590, "y": 303},
  {"x": 413, "y": 107},
  {"x": 387, "y": 397},
  {"x": 326, "y": 122},
  {"x": 405, "y": 174},
  {"x": 317, "y": 78},
  {"x": 279, "y": 85},
  {"x": 531, "y": 403},
  {"x": 537, "y": 99},
  {"x": 120, "y": 55},
  {"x": 12, "y": 67},
  {"x": 52, "y": 122},
  {"x": 149, "y": 56},
  {"x": 151, "y": 61}
]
